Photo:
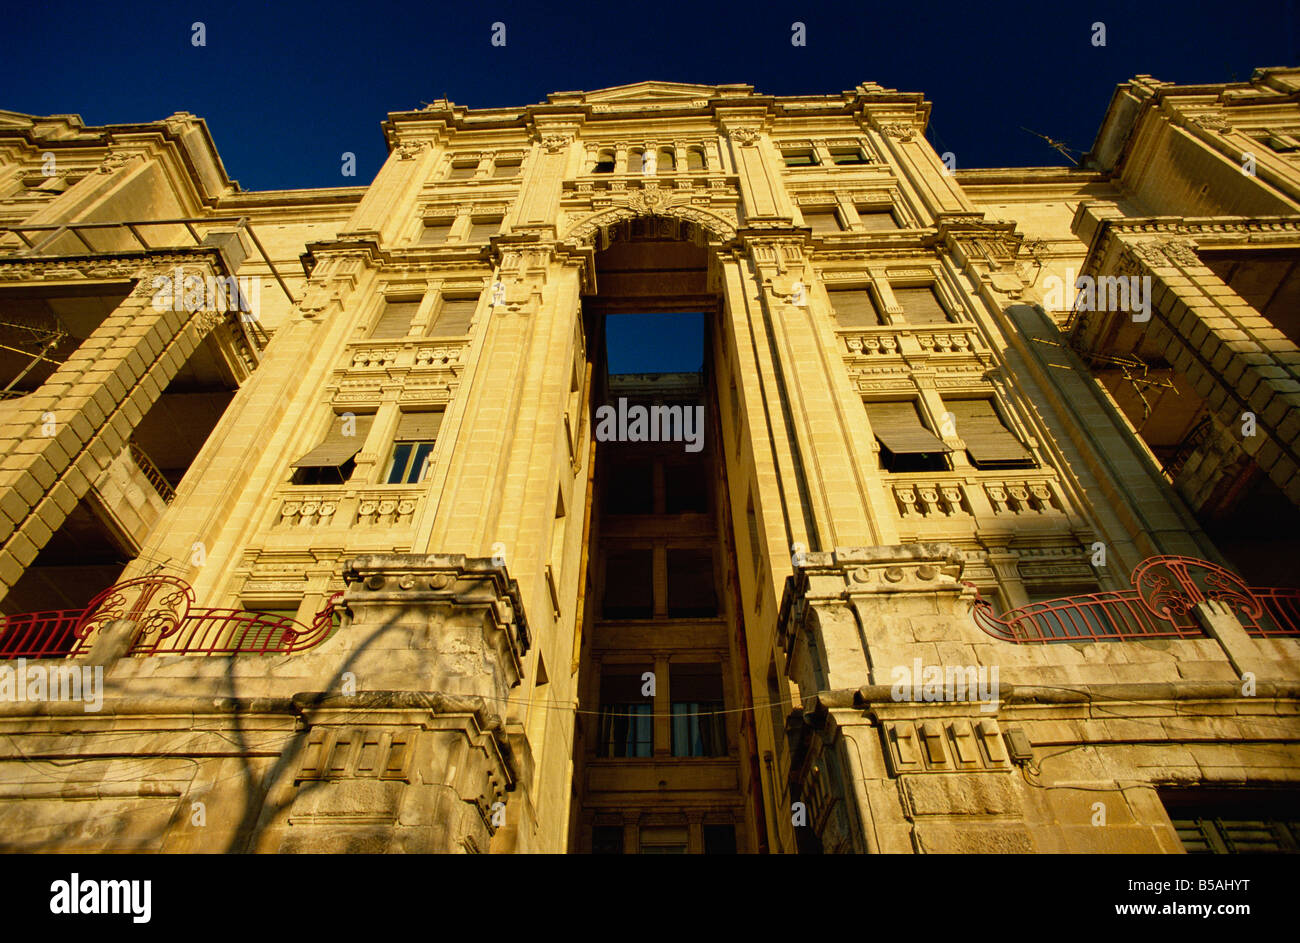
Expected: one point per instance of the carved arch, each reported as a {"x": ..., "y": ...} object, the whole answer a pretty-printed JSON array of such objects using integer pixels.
[{"x": 585, "y": 230}]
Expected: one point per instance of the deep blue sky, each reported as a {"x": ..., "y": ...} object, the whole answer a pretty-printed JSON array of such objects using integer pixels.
[
  {"x": 654, "y": 343},
  {"x": 287, "y": 88}
]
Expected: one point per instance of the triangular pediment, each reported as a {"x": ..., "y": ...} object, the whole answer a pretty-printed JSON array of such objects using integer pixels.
[{"x": 654, "y": 92}]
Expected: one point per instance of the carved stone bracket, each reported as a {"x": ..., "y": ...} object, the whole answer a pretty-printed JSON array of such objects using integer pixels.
[
  {"x": 409, "y": 150},
  {"x": 463, "y": 618}
]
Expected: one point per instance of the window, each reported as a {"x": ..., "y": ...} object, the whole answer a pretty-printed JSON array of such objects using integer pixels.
[
  {"x": 906, "y": 444},
  {"x": 604, "y": 165},
  {"x": 1280, "y": 142},
  {"x": 921, "y": 305},
  {"x": 822, "y": 220},
  {"x": 462, "y": 169},
  {"x": 483, "y": 228},
  {"x": 1079, "y": 620},
  {"x": 607, "y": 840},
  {"x": 989, "y": 443},
  {"x": 691, "y": 592},
  {"x": 629, "y": 584},
  {"x": 719, "y": 839},
  {"x": 667, "y": 160},
  {"x": 776, "y": 704},
  {"x": 507, "y": 167},
  {"x": 272, "y": 611},
  {"x": 276, "y": 618},
  {"x": 663, "y": 841},
  {"x": 332, "y": 462},
  {"x": 454, "y": 316},
  {"x": 755, "y": 543},
  {"x": 875, "y": 219},
  {"x": 695, "y": 159},
  {"x": 626, "y": 715},
  {"x": 686, "y": 491},
  {"x": 799, "y": 157},
  {"x": 412, "y": 447},
  {"x": 1234, "y": 821},
  {"x": 635, "y": 161},
  {"x": 395, "y": 321},
  {"x": 842, "y": 156},
  {"x": 854, "y": 307},
  {"x": 628, "y": 489},
  {"x": 436, "y": 230},
  {"x": 698, "y": 724}
]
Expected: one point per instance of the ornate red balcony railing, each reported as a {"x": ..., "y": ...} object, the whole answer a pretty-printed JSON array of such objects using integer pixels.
[
  {"x": 1166, "y": 591},
  {"x": 166, "y": 623}
]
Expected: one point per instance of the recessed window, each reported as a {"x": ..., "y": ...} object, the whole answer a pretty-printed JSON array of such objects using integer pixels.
[
  {"x": 686, "y": 491},
  {"x": 333, "y": 460},
  {"x": 695, "y": 159},
  {"x": 854, "y": 307},
  {"x": 607, "y": 840},
  {"x": 799, "y": 157},
  {"x": 921, "y": 305},
  {"x": 395, "y": 320},
  {"x": 483, "y": 228},
  {"x": 874, "y": 219},
  {"x": 691, "y": 593},
  {"x": 626, "y": 726},
  {"x": 1280, "y": 142},
  {"x": 990, "y": 443},
  {"x": 719, "y": 839},
  {"x": 462, "y": 169},
  {"x": 1234, "y": 821},
  {"x": 454, "y": 316},
  {"x": 842, "y": 156},
  {"x": 413, "y": 447},
  {"x": 663, "y": 841},
  {"x": 906, "y": 445},
  {"x": 822, "y": 220},
  {"x": 698, "y": 723},
  {"x": 628, "y": 488},
  {"x": 507, "y": 167},
  {"x": 436, "y": 230},
  {"x": 629, "y": 584},
  {"x": 667, "y": 160},
  {"x": 604, "y": 163},
  {"x": 273, "y": 611}
]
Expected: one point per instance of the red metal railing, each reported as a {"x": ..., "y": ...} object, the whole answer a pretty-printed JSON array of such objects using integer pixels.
[
  {"x": 1166, "y": 591},
  {"x": 166, "y": 623}
]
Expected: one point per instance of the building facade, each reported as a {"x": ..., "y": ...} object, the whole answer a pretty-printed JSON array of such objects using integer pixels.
[{"x": 326, "y": 526}]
